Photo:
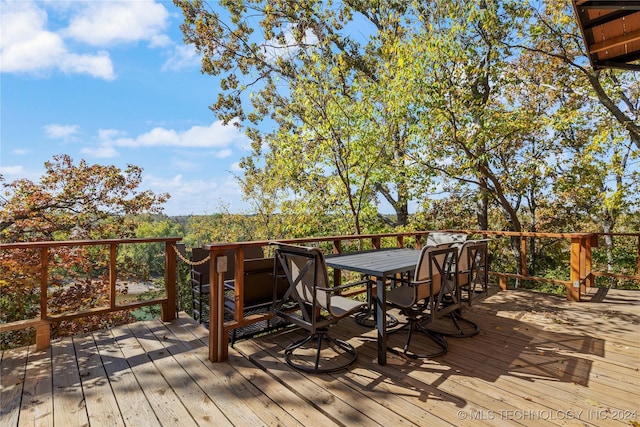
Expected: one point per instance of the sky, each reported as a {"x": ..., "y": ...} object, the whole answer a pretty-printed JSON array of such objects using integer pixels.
[{"x": 112, "y": 82}]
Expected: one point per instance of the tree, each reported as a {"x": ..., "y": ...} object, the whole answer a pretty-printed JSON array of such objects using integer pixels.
[
  {"x": 75, "y": 201},
  {"x": 337, "y": 142},
  {"x": 598, "y": 118},
  {"x": 71, "y": 201},
  {"x": 552, "y": 32}
]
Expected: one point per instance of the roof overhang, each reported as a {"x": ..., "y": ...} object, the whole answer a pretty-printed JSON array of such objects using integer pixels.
[{"x": 611, "y": 32}]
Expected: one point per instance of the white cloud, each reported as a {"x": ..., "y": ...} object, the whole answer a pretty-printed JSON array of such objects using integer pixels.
[
  {"x": 12, "y": 171},
  {"x": 196, "y": 196},
  {"x": 98, "y": 65},
  {"x": 106, "y": 23},
  {"x": 223, "y": 154},
  {"x": 181, "y": 58},
  {"x": 108, "y": 134},
  {"x": 274, "y": 49},
  {"x": 102, "y": 152},
  {"x": 22, "y": 151},
  {"x": 27, "y": 46},
  {"x": 56, "y": 131},
  {"x": 214, "y": 136}
]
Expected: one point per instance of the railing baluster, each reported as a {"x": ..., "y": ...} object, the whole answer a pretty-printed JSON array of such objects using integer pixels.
[
  {"x": 337, "y": 274},
  {"x": 239, "y": 284}
]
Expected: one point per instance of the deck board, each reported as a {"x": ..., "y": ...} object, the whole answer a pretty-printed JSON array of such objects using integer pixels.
[
  {"x": 133, "y": 405},
  {"x": 538, "y": 361},
  {"x": 37, "y": 399},
  {"x": 67, "y": 394},
  {"x": 99, "y": 398},
  {"x": 12, "y": 373}
]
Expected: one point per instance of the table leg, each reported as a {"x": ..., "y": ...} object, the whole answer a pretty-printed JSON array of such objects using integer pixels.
[
  {"x": 368, "y": 318},
  {"x": 381, "y": 307}
]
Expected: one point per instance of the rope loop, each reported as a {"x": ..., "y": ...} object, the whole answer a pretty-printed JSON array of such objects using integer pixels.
[{"x": 188, "y": 261}]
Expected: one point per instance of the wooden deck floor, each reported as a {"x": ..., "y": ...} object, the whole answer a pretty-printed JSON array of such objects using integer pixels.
[{"x": 539, "y": 360}]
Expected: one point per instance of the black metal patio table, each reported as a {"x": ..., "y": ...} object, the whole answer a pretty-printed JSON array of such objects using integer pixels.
[{"x": 381, "y": 264}]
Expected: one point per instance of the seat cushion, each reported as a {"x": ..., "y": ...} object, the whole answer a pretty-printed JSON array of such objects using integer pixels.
[
  {"x": 402, "y": 296},
  {"x": 341, "y": 306}
]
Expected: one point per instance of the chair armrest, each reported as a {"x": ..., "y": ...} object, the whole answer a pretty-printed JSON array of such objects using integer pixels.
[
  {"x": 342, "y": 287},
  {"x": 419, "y": 282}
]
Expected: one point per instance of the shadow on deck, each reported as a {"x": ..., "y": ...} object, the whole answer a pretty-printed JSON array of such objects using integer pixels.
[{"x": 538, "y": 360}]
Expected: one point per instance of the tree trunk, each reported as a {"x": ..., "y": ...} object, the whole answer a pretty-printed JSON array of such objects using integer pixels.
[{"x": 482, "y": 206}]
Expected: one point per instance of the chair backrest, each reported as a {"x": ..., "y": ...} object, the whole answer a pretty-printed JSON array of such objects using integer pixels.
[
  {"x": 306, "y": 272},
  {"x": 433, "y": 270},
  {"x": 477, "y": 262},
  {"x": 472, "y": 261},
  {"x": 439, "y": 237},
  {"x": 202, "y": 270},
  {"x": 462, "y": 267}
]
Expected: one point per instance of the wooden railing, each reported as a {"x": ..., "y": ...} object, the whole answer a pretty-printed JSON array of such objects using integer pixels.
[
  {"x": 43, "y": 322},
  {"x": 581, "y": 275}
]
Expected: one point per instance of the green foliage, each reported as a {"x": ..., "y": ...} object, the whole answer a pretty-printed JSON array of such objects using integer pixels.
[{"x": 488, "y": 102}]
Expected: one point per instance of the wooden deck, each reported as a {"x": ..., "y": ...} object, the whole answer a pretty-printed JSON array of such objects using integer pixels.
[{"x": 539, "y": 360}]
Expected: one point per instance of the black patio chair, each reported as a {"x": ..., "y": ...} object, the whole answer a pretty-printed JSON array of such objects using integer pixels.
[
  {"x": 465, "y": 276},
  {"x": 420, "y": 300},
  {"x": 313, "y": 305}
]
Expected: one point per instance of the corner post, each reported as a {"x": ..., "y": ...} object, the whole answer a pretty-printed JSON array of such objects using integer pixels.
[
  {"x": 576, "y": 268},
  {"x": 218, "y": 339},
  {"x": 168, "y": 310}
]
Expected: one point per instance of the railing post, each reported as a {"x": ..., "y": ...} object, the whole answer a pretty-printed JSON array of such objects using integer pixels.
[
  {"x": 638, "y": 257},
  {"x": 168, "y": 309},
  {"x": 573, "y": 290},
  {"x": 218, "y": 339},
  {"x": 43, "y": 330},
  {"x": 503, "y": 281}
]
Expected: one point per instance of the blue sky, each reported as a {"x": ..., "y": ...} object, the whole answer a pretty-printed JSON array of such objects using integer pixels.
[{"x": 112, "y": 82}]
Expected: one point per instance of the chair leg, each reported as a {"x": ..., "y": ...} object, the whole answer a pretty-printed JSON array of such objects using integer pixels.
[
  {"x": 451, "y": 325},
  {"x": 414, "y": 325},
  {"x": 342, "y": 348},
  {"x": 369, "y": 317},
  {"x": 470, "y": 329}
]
